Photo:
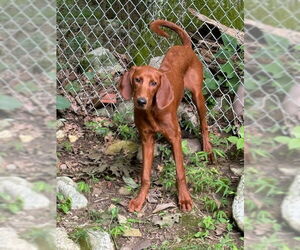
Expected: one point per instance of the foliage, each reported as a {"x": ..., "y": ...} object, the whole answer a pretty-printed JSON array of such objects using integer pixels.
[
  {"x": 83, "y": 187},
  {"x": 64, "y": 203},
  {"x": 238, "y": 141},
  {"x": 62, "y": 102},
  {"x": 9, "y": 103},
  {"x": 10, "y": 204},
  {"x": 293, "y": 141}
]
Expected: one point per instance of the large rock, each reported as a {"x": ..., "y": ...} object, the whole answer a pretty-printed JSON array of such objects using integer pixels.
[
  {"x": 103, "y": 61},
  {"x": 119, "y": 146},
  {"x": 100, "y": 240},
  {"x": 139, "y": 155},
  {"x": 238, "y": 204},
  {"x": 19, "y": 188},
  {"x": 187, "y": 114},
  {"x": 290, "y": 206},
  {"x": 67, "y": 187},
  {"x": 63, "y": 242},
  {"x": 193, "y": 145},
  {"x": 126, "y": 109},
  {"x": 9, "y": 240}
]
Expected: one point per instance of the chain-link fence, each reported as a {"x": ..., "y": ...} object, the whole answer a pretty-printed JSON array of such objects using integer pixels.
[{"x": 99, "y": 40}]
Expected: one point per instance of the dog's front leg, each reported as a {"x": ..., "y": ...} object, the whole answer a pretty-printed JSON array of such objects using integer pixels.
[
  {"x": 148, "y": 148},
  {"x": 184, "y": 198}
]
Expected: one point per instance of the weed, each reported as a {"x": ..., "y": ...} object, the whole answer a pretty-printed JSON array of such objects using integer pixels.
[
  {"x": 41, "y": 186},
  {"x": 226, "y": 242},
  {"x": 238, "y": 141},
  {"x": 66, "y": 145},
  {"x": 64, "y": 204},
  {"x": 83, "y": 187},
  {"x": 81, "y": 237},
  {"x": 41, "y": 237},
  {"x": 209, "y": 204},
  {"x": 10, "y": 204},
  {"x": 98, "y": 128},
  {"x": 293, "y": 141}
]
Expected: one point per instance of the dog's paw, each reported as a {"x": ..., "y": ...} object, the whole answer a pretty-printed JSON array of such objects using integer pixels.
[
  {"x": 135, "y": 205},
  {"x": 185, "y": 201}
]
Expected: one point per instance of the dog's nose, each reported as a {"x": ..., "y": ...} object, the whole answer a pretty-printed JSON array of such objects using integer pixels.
[{"x": 141, "y": 101}]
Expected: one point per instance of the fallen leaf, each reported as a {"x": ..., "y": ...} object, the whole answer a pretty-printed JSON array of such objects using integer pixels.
[
  {"x": 60, "y": 134},
  {"x": 221, "y": 228},
  {"x": 5, "y": 134},
  {"x": 73, "y": 138},
  {"x": 132, "y": 232},
  {"x": 109, "y": 98},
  {"x": 163, "y": 206},
  {"x": 130, "y": 182},
  {"x": 122, "y": 219},
  {"x": 124, "y": 191},
  {"x": 118, "y": 146}
]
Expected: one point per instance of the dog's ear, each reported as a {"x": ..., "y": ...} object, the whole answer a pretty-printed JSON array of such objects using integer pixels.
[
  {"x": 164, "y": 95},
  {"x": 125, "y": 87}
]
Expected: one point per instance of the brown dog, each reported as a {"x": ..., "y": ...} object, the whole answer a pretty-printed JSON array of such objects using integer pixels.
[{"x": 157, "y": 94}]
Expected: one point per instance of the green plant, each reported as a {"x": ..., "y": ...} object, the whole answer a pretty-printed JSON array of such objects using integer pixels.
[
  {"x": 293, "y": 141},
  {"x": 66, "y": 145},
  {"x": 97, "y": 127},
  {"x": 10, "y": 204},
  {"x": 62, "y": 102},
  {"x": 9, "y": 103},
  {"x": 209, "y": 204},
  {"x": 80, "y": 236},
  {"x": 126, "y": 132},
  {"x": 42, "y": 186},
  {"x": 83, "y": 187},
  {"x": 64, "y": 204},
  {"x": 238, "y": 141}
]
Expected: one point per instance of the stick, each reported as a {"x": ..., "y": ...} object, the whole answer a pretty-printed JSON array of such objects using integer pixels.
[{"x": 239, "y": 35}]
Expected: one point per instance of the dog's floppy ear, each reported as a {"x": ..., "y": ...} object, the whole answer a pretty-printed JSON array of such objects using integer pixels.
[
  {"x": 125, "y": 87},
  {"x": 164, "y": 95}
]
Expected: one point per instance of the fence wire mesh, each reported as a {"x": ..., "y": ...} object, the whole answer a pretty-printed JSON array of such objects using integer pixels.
[{"x": 99, "y": 40}]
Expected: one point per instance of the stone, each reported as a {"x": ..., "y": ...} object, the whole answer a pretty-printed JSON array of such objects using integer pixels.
[
  {"x": 67, "y": 187},
  {"x": 100, "y": 240},
  {"x": 238, "y": 204},
  {"x": 193, "y": 145},
  {"x": 122, "y": 219},
  {"x": 19, "y": 188},
  {"x": 186, "y": 114},
  {"x": 63, "y": 242},
  {"x": 290, "y": 206},
  {"x": 60, "y": 134},
  {"x": 9, "y": 239},
  {"x": 103, "y": 61},
  {"x": 156, "y": 61},
  {"x": 117, "y": 146}
]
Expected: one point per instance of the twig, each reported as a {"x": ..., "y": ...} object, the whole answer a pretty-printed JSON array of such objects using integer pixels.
[{"x": 239, "y": 35}]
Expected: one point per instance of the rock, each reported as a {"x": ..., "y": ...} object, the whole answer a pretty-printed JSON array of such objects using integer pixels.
[
  {"x": 124, "y": 191},
  {"x": 5, "y": 134},
  {"x": 156, "y": 61},
  {"x": 118, "y": 146},
  {"x": 11, "y": 167},
  {"x": 67, "y": 187},
  {"x": 100, "y": 240},
  {"x": 132, "y": 232},
  {"x": 291, "y": 106},
  {"x": 238, "y": 205},
  {"x": 166, "y": 220},
  {"x": 103, "y": 61},
  {"x": 290, "y": 206},
  {"x": 9, "y": 240},
  {"x": 139, "y": 155},
  {"x": 60, "y": 134},
  {"x": 238, "y": 102},
  {"x": 187, "y": 114},
  {"x": 193, "y": 145},
  {"x": 104, "y": 112},
  {"x": 63, "y": 242},
  {"x": 19, "y": 188}
]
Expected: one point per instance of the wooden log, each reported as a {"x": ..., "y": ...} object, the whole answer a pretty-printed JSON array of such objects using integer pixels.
[
  {"x": 239, "y": 35},
  {"x": 291, "y": 35}
]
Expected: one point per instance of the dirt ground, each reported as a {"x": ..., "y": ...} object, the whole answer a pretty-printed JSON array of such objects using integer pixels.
[{"x": 108, "y": 193}]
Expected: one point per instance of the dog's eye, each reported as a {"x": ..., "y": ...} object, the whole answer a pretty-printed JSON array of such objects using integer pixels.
[
  {"x": 138, "y": 80},
  {"x": 153, "y": 83}
]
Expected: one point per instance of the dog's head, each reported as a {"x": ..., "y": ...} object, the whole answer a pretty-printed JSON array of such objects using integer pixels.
[{"x": 147, "y": 86}]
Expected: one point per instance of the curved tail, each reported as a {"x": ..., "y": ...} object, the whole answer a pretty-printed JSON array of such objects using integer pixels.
[{"x": 155, "y": 27}]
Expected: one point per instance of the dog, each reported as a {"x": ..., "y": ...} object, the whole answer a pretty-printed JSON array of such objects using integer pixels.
[{"x": 157, "y": 94}]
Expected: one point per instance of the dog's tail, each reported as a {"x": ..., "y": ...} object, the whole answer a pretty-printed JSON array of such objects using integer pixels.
[{"x": 155, "y": 27}]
